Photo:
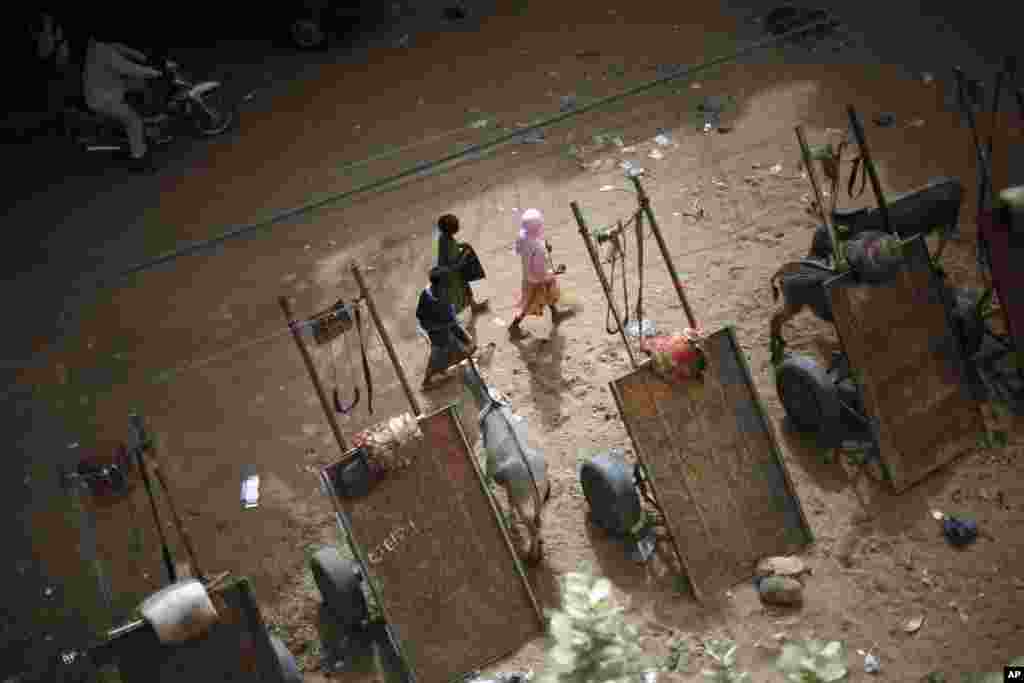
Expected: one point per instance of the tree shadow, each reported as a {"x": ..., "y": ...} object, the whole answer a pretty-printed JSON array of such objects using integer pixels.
[{"x": 543, "y": 359}]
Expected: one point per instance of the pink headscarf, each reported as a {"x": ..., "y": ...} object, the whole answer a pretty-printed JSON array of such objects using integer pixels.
[
  {"x": 530, "y": 246},
  {"x": 532, "y": 228}
]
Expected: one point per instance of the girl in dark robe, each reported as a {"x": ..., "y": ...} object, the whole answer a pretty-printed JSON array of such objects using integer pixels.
[
  {"x": 460, "y": 264},
  {"x": 449, "y": 343}
]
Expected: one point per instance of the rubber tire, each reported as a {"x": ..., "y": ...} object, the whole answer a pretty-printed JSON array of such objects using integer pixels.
[
  {"x": 339, "y": 581},
  {"x": 967, "y": 325},
  {"x": 289, "y": 667},
  {"x": 608, "y": 486},
  {"x": 811, "y": 399}
]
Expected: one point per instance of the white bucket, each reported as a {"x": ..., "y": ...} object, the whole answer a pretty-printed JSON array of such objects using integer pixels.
[{"x": 179, "y": 612}]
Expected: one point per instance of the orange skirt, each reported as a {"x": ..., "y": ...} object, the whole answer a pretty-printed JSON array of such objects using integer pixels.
[{"x": 537, "y": 296}]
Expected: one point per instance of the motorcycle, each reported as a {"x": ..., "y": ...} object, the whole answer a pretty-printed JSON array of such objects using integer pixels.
[{"x": 181, "y": 105}]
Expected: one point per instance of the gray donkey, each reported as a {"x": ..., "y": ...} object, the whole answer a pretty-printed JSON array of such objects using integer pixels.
[
  {"x": 511, "y": 462},
  {"x": 923, "y": 209}
]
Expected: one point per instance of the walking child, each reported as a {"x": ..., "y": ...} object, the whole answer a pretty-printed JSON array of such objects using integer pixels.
[
  {"x": 449, "y": 343},
  {"x": 461, "y": 266},
  {"x": 539, "y": 285}
]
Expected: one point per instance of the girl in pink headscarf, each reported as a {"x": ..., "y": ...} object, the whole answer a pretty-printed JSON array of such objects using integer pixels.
[{"x": 540, "y": 286}]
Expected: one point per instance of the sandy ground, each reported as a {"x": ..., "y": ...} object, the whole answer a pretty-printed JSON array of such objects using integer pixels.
[{"x": 201, "y": 350}]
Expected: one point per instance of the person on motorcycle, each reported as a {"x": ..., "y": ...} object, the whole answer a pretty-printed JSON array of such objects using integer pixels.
[{"x": 111, "y": 70}]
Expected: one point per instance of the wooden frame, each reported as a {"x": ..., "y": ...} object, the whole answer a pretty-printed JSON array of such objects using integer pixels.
[
  {"x": 442, "y": 436},
  {"x": 663, "y": 442},
  {"x": 929, "y": 362}
]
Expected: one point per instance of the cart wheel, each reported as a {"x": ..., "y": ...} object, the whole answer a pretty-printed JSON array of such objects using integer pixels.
[
  {"x": 339, "y": 581},
  {"x": 808, "y": 394},
  {"x": 968, "y": 326},
  {"x": 608, "y": 487},
  {"x": 289, "y": 667}
]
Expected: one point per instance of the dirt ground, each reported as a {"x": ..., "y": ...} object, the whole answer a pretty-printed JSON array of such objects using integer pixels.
[{"x": 878, "y": 559}]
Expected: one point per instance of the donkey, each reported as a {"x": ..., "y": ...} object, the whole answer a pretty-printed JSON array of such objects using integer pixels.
[
  {"x": 511, "y": 462},
  {"x": 923, "y": 209},
  {"x": 803, "y": 282}
]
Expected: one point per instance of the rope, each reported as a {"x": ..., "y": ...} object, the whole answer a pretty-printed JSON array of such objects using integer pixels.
[
  {"x": 618, "y": 255},
  {"x": 471, "y": 151}
]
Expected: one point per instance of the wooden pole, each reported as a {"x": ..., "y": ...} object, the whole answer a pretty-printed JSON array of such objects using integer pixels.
[
  {"x": 186, "y": 537},
  {"x": 399, "y": 370},
  {"x": 640, "y": 272},
  {"x": 324, "y": 403},
  {"x": 869, "y": 165},
  {"x": 837, "y": 255},
  {"x": 645, "y": 205},
  {"x": 595, "y": 259}
]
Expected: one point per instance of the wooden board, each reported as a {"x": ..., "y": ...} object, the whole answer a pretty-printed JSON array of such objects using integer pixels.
[
  {"x": 898, "y": 336},
  {"x": 441, "y": 564},
  {"x": 715, "y": 467}
]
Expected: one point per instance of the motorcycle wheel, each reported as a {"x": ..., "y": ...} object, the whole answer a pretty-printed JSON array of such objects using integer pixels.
[
  {"x": 209, "y": 119},
  {"x": 307, "y": 34}
]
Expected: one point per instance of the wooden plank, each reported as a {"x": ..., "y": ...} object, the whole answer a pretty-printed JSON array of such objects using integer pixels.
[
  {"x": 898, "y": 335},
  {"x": 714, "y": 466},
  {"x": 450, "y": 585}
]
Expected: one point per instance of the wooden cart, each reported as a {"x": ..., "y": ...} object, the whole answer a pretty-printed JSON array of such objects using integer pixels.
[{"x": 708, "y": 451}]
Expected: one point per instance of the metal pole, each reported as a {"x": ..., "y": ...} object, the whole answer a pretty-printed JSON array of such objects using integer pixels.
[
  {"x": 595, "y": 259},
  {"x": 399, "y": 370},
  {"x": 645, "y": 205},
  {"x": 869, "y": 165},
  {"x": 812, "y": 175},
  {"x": 324, "y": 403}
]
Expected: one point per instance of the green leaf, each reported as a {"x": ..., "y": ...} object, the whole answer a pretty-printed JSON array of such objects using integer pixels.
[{"x": 821, "y": 152}]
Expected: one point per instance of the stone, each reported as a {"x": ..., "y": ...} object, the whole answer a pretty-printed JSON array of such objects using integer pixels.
[
  {"x": 781, "y": 590},
  {"x": 782, "y": 566}
]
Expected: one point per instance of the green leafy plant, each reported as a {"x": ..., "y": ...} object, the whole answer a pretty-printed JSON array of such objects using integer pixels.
[
  {"x": 723, "y": 652},
  {"x": 813, "y": 661},
  {"x": 777, "y": 348},
  {"x": 678, "y": 654},
  {"x": 994, "y": 439},
  {"x": 592, "y": 641},
  {"x": 891, "y": 247}
]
